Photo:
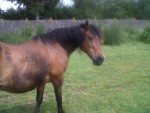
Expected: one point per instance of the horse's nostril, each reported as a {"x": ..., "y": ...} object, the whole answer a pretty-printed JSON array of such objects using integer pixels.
[{"x": 100, "y": 58}]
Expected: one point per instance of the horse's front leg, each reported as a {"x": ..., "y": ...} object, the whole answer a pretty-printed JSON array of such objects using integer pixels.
[
  {"x": 39, "y": 97},
  {"x": 58, "y": 93}
]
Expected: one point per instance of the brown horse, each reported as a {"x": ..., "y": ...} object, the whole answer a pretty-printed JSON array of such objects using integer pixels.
[{"x": 44, "y": 59}]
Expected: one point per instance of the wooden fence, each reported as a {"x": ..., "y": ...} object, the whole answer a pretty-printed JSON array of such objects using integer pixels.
[{"x": 52, "y": 24}]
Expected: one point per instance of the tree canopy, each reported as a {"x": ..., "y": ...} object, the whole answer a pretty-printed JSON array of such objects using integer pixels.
[
  {"x": 38, "y": 6},
  {"x": 81, "y": 9}
]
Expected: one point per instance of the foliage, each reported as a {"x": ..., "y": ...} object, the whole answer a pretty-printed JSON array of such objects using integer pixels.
[
  {"x": 112, "y": 9},
  {"x": 145, "y": 36},
  {"x": 19, "y": 14},
  {"x": 22, "y": 35},
  {"x": 130, "y": 34},
  {"x": 113, "y": 34},
  {"x": 87, "y": 8},
  {"x": 143, "y": 9},
  {"x": 37, "y": 6},
  {"x": 61, "y": 13},
  {"x": 22, "y": 14},
  {"x": 43, "y": 9}
]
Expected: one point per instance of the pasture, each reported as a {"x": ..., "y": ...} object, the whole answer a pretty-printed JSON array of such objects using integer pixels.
[{"x": 120, "y": 85}]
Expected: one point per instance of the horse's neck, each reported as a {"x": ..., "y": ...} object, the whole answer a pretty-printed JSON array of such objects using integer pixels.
[{"x": 70, "y": 50}]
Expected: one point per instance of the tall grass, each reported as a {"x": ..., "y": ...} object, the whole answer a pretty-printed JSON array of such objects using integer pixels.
[
  {"x": 115, "y": 34},
  {"x": 112, "y": 34},
  {"x": 21, "y": 35},
  {"x": 130, "y": 34}
]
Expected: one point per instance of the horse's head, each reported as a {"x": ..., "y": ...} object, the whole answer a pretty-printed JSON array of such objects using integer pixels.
[{"x": 91, "y": 43}]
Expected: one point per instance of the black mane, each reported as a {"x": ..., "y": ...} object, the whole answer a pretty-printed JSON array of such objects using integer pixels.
[
  {"x": 64, "y": 36},
  {"x": 95, "y": 30}
]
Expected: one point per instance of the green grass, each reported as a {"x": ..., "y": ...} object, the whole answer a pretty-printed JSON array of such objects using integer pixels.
[{"x": 120, "y": 85}]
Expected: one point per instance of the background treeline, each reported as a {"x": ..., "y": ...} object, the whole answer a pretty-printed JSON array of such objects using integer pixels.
[{"x": 80, "y": 9}]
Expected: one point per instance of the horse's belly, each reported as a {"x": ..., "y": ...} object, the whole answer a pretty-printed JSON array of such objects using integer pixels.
[
  {"x": 6, "y": 82},
  {"x": 17, "y": 87},
  {"x": 23, "y": 83},
  {"x": 16, "y": 90},
  {"x": 29, "y": 84},
  {"x": 22, "y": 87}
]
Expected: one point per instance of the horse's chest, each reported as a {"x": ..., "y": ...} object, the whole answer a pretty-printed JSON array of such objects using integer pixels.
[{"x": 58, "y": 66}]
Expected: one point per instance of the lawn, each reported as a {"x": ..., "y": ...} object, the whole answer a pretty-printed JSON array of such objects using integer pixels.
[{"x": 120, "y": 85}]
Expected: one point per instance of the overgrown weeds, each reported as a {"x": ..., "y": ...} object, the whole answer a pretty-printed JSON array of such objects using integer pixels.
[
  {"x": 145, "y": 36},
  {"x": 115, "y": 34},
  {"x": 19, "y": 36}
]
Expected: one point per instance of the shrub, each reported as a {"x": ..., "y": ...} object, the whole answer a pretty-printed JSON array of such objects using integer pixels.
[
  {"x": 145, "y": 36},
  {"x": 10, "y": 37},
  {"x": 39, "y": 29},
  {"x": 28, "y": 31},
  {"x": 113, "y": 34},
  {"x": 130, "y": 34}
]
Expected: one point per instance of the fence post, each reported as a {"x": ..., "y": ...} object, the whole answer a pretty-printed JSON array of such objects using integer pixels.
[
  {"x": 73, "y": 20},
  {"x": 50, "y": 20}
]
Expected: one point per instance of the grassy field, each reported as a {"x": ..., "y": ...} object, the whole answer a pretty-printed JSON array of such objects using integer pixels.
[{"x": 120, "y": 85}]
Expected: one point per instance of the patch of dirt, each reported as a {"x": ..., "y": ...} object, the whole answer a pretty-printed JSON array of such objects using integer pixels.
[{"x": 83, "y": 91}]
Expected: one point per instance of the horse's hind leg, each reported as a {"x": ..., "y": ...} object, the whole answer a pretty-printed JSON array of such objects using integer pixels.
[{"x": 39, "y": 97}]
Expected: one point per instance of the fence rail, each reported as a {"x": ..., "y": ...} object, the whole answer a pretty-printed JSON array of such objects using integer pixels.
[{"x": 52, "y": 24}]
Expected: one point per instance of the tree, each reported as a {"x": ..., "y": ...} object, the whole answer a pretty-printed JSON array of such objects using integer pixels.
[
  {"x": 38, "y": 6},
  {"x": 1, "y": 12},
  {"x": 87, "y": 8},
  {"x": 143, "y": 9}
]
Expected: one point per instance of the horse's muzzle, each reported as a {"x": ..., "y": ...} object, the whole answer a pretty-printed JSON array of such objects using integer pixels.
[{"x": 98, "y": 60}]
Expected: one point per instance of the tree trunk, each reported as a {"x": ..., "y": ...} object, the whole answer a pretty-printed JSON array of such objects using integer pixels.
[{"x": 37, "y": 15}]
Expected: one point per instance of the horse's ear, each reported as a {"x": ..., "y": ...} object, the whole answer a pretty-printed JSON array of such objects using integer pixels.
[{"x": 86, "y": 25}]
